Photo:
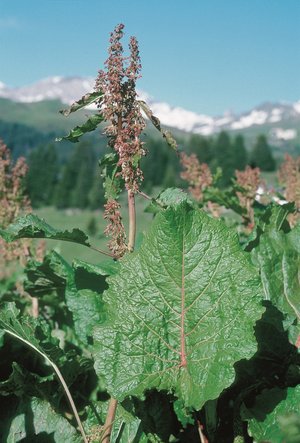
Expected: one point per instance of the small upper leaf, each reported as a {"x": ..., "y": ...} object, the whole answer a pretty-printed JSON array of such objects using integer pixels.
[
  {"x": 178, "y": 311},
  {"x": 86, "y": 100},
  {"x": 110, "y": 173},
  {"x": 90, "y": 125},
  {"x": 156, "y": 123}
]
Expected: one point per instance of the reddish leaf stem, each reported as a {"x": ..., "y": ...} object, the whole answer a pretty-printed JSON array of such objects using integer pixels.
[
  {"x": 203, "y": 439},
  {"x": 35, "y": 307},
  {"x": 183, "y": 361},
  {"x": 101, "y": 251},
  {"x": 147, "y": 197},
  {"x": 111, "y": 414},
  {"x": 132, "y": 220}
]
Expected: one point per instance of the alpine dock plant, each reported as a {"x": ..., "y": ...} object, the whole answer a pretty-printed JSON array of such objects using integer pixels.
[{"x": 189, "y": 337}]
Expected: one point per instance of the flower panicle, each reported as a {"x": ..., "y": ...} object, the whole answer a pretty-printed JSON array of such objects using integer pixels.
[
  {"x": 289, "y": 177},
  {"x": 115, "y": 228},
  {"x": 250, "y": 180},
  {"x": 197, "y": 174},
  {"x": 125, "y": 124},
  {"x": 13, "y": 203}
]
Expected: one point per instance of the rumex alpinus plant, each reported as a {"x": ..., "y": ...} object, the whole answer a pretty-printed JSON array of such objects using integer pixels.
[
  {"x": 250, "y": 181},
  {"x": 189, "y": 338},
  {"x": 199, "y": 177},
  {"x": 120, "y": 109},
  {"x": 289, "y": 177},
  {"x": 197, "y": 174},
  {"x": 13, "y": 203}
]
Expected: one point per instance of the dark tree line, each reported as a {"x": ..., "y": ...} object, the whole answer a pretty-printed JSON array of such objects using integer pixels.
[
  {"x": 230, "y": 154},
  {"x": 75, "y": 181}
]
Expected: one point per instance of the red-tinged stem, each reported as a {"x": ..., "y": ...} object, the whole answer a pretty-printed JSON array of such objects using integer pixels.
[
  {"x": 147, "y": 197},
  {"x": 35, "y": 307},
  {"x": 203, "y": 439},
  {"x": 297, "y": 344},
  {"x": 183, "y": 362},
  {"x": 132, "y": 220},
  {"x": 112, "y": 408}
]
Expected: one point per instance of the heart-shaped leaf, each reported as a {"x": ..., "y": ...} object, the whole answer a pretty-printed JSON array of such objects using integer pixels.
[{"x": 181, "y": 311}]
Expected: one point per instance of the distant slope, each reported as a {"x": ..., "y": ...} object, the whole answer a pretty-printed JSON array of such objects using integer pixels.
[
  {"x": 37, "y": 106},
  {"x": 43, "y": 116}
]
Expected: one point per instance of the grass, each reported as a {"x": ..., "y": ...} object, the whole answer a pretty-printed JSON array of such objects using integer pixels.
[{"x": 68, "y": 219}]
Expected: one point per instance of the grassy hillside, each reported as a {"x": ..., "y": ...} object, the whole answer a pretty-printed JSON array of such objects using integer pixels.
[
  {"x": 44, "y": 116},
  {"x": 68, "y": 219}
]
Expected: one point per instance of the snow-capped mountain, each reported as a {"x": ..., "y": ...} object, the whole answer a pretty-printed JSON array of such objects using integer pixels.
[
  {"x": 66, "y": 89},
  {"x": 279, "y": 117}
]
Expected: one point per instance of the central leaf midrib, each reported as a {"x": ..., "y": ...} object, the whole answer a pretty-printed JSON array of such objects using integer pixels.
[{"x": 183, "y": 362}]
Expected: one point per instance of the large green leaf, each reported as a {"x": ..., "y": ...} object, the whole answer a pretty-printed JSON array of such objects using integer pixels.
[
  {"x": 278, "y": 258},
  {"x": 31, "y": 226},
  {"x": 179, "y": 310},
  {"x": 81, "y": 285},
  {"x": 88, "y": 126},
  {"x": 34, "y": 421},
  {"x": 269, "y": 417},
  {"x": 86, "y": 100}
]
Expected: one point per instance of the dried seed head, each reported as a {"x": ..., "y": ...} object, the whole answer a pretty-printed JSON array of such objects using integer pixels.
[
  {"x": 197, "y": 174},
  {"x": 13, "y": 202},
  {"x": 120, "y": 108},
  {"x": 289, "y": 177},
  {"x": 115, "y": 228},
  {"x": 249, "y": 180}
]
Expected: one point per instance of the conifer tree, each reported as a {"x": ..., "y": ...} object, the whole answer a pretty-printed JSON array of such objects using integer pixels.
[
  {"x": 77, "y": 178},
  {"x": 96, "y": 197},
  {"x": 240, "y": 155},
  {"x": 224, "y": 157},
  {"x": 42, "y": 175},
  {"x": 85, "y": 176},
  {"x": 202, "y": 147},
  {"x": 261, "y": 155}
]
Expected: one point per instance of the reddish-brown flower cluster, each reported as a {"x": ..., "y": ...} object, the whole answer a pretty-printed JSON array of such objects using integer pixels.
[
  {"x": 197, "y": 174},
  {"x": 13, "y": 202},
  {"x": 120, "y": 108},
  {"x": 115, "y": 228},
  {"x": 249, "y": 180},
  {"x": 289, "y": 176}
]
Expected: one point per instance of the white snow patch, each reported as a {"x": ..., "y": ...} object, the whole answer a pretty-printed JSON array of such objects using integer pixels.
[
  {"x": 283, "y": 134},
  {"x": 296, "y": 107},
  {"x": 204, "y": 130},
  {"x": 179, "y": 117},
  {"x": 276, "y": 115},
  {"x": 254, "y": 118}
]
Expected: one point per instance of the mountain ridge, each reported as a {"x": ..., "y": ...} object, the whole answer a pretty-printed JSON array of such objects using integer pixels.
[{"x": 282, "y": 120}]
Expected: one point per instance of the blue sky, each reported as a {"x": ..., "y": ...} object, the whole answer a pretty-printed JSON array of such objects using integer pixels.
[{"x": 205, "y": 55}]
